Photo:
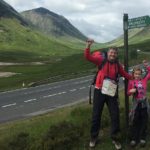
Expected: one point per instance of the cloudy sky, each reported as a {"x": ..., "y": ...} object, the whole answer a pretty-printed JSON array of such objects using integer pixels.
[{"x": 100, "y": 20}]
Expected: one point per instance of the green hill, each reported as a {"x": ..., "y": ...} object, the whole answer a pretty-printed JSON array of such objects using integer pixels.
[
  {"x": 136, "y": 36},
  {"x": 21, "y": 42}
]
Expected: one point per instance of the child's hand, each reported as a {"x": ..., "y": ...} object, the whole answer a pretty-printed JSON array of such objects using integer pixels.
[{"x": 133, "y": 91}]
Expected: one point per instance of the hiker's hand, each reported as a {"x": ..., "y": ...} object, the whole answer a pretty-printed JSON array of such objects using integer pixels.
[
  {"x": 89, "y": 42},
  {"x": 145, "y": 63},
  {"x": 133, "y": 91}
]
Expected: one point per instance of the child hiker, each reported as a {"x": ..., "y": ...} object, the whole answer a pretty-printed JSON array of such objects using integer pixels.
[{"x": 139, "y": 111}]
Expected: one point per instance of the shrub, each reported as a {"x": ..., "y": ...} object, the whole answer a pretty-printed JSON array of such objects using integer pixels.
[
  {"x": 20, "y": 142},
  {"x": 62, "y": 137}
]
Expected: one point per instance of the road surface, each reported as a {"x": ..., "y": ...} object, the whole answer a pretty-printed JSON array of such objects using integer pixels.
[{"x": 23, "y": 103}]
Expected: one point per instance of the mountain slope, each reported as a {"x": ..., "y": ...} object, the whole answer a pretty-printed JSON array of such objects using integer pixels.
[
  {"x": 7, "y": 11},
  {"x": 52, "y": 24},
  {"x": 18, "y": 42},
  {"x": 135, "y": 36}
]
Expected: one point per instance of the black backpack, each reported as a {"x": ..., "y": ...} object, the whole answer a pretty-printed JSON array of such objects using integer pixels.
[{"x": 95, "y": 76}]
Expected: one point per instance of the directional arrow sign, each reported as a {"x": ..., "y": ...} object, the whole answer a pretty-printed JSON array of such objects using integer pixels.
[{"x": 138, "y": 22}]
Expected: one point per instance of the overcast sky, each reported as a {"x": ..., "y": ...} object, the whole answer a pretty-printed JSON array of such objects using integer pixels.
[{"x": 100, "y": 20}]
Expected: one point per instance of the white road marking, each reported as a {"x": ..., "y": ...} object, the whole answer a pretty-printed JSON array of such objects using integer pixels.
[
  {"x": 82, "y": 88},
  {"x": 82, "y": 81},
  {"x": 13, "y": 104},
  {"x": 49, "y": 95},
  {"x": 54, "y": 94},
  {"x": 73, "y": 90},
  {"x": 61, "y": 93},
  {"x": 30, "y": 100}
]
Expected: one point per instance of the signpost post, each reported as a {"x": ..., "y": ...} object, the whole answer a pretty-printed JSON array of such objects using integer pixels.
[
  {"x": 125, "y": 27},
  {"x": 130, "y": 24}
]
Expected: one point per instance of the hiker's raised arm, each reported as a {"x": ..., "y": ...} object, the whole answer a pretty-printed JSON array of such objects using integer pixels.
[
  {"x": 89, "y": 42},
  {"x": 96, "y": 59}
]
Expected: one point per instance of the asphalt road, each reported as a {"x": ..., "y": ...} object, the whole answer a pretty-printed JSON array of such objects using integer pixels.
[{"x": 23, "y": 103}]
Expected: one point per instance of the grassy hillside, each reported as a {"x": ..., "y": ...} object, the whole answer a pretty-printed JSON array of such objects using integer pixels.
[
  {"x": 53, "y": 70},
  {"x": 135, "y": 36},
  {"x": 21, "y": 43},
  {"x": 141, "y": 36}
]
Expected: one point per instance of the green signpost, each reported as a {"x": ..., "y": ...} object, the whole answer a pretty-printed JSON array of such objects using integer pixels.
[{"x": 138, "y": 22}]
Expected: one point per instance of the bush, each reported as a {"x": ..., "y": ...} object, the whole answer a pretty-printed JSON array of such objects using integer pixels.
[
  {"x": 20, "y": 142},
  {"x": 62, "y": 137}
]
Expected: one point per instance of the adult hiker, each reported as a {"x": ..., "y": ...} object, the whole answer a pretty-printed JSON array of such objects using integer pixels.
[{"x": 105, "y": 92}]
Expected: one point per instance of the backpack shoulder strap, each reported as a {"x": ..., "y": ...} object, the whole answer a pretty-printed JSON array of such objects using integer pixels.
[
  {"x": 102, "y": 64},
  {"x": 99, "y": 68}
]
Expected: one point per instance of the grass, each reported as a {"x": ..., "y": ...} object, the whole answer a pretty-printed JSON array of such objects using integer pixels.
[
  {"x": 36, "y": 127},
  {"x": 21, "y": 43},
  {"x": 66, "y": 129},
  {"x": 69, "y": 67},
  {"x": 135, "y": 36}
]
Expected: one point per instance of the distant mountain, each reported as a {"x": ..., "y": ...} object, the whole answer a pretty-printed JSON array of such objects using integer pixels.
[
  {"x": 7, "y": 11},
  {"x": 52, "y": 24}
]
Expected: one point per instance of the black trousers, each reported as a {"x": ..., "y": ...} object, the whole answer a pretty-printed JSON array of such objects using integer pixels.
[
  {"x": 139, "y": 126},
  {"x": 98, "y": 104}
]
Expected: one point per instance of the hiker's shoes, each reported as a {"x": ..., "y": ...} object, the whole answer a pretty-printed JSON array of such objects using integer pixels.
[
  {"x": 133, "y": 143},
  {"x": 117, "y": 145},
  {"x": 92, "y": 143},
  {"x": 142, "y": 143}
]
